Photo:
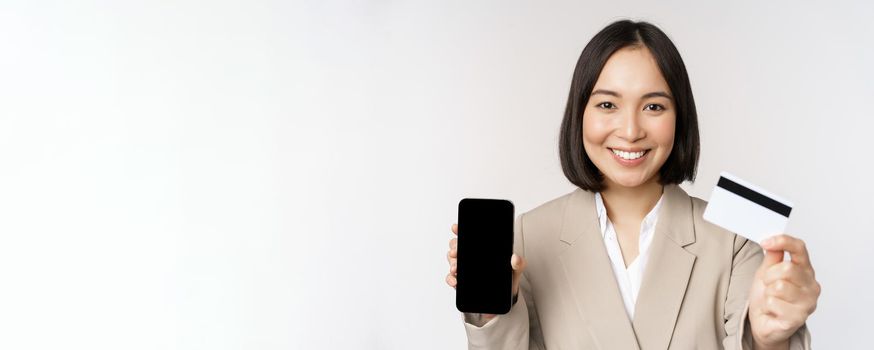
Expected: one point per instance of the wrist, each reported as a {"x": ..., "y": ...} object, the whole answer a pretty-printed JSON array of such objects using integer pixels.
[
  {"x": 477, "y": 319},
  {"x": 760, "y": 344},
  {"x": 784, "y": 345}
]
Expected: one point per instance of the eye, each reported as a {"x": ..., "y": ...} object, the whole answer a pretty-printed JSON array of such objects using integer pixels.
[
  {"x": 606, "y": 105},
  {"x": 655, "y": 107}
]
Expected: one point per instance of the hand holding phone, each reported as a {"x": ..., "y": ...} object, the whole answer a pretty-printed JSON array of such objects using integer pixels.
[
  {"x": 483, "y": 268},
  {"x": 516, "y": 261}
]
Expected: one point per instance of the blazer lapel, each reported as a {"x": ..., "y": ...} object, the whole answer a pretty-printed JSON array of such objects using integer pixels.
[
  {"x": 667, "y": 272},
  {"x": 590, "y": 275}
]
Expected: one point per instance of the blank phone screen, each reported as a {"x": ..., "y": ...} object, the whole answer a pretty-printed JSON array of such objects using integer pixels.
[{"x": 485, "y": 245}]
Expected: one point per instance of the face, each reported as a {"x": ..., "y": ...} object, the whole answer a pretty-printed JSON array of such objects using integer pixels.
[{"x": 628, "y": 123}]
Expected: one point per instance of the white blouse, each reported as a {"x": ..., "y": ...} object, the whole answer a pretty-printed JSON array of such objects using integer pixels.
[{"x": 628, "y": 279}]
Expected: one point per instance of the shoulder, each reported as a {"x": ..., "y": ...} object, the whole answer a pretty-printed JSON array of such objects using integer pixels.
[
  {"x": 539, "y": 229},
  {"x": 548, "y": 213}
]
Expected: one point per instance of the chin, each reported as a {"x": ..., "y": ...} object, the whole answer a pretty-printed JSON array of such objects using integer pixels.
[{"x": 629, "y": 181}]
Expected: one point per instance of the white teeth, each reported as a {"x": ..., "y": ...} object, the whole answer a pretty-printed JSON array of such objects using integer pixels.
[{"x": 628, "y": 155}]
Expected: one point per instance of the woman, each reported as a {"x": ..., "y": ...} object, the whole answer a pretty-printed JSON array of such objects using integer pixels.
[{"x": 625, "y": 261}]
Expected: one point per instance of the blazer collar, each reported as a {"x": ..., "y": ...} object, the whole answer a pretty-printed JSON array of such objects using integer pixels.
[
  {"x": 590, "y": 276},
  {"x": 677, "y": 208}
]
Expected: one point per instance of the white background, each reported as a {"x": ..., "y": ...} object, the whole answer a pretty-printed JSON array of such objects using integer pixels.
[{"x": 274, "y": 175}]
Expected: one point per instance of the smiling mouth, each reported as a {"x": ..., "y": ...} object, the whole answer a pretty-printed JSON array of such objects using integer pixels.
[{"x": 629, "y": 155}]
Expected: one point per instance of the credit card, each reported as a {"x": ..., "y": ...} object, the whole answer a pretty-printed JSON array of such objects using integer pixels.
[{"x": 746, "y": 209}]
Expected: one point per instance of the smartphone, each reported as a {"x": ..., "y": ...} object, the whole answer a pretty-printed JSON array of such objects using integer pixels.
[{"x": 485, "y": 245}]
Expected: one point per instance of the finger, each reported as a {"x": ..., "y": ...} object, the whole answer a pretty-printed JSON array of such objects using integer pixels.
[
  {"x": 788, "y": 313},
  {"x": 455, "y": 229},
  {"x": 452, "y": 254},
  {"x": 784, "y": 290},
  {"x": 802, "y": 298},
  {"x": 453, "y": 242},
  {"x": 451, "y": 281},
  {"x": 453, "y": 267},
  {"x": 787, "y": 271},
  {"x": 796, "y": 247}
]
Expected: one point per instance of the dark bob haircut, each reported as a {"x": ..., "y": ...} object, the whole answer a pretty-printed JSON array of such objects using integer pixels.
[{"x": 683, "y": 159}]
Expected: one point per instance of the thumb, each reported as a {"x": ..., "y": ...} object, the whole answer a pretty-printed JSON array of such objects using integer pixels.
[
  {"x": 772, "y": 257},
  {"x": 518, "y": 263}
]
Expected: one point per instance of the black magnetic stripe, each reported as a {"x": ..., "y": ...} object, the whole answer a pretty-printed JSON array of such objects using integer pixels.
[{"x": 754, "y": 196}]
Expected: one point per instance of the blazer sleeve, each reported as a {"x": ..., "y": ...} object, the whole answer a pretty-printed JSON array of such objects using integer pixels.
[
  {"x": 747, "y": 258},
  {"x": 519, "y": 329}
]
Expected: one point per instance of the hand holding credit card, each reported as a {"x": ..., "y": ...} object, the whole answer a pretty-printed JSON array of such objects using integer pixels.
[{"x": 746, "y": 209}]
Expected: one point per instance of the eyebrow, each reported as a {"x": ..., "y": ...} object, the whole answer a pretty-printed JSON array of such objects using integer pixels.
[{"x": 645, "y": 96}]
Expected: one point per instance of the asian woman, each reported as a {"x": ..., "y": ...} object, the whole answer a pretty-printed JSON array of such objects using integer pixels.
[{"x": 625, "y": 261}]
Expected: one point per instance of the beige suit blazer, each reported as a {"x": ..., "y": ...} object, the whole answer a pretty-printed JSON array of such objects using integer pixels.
[{"x": 693, "y": 294}]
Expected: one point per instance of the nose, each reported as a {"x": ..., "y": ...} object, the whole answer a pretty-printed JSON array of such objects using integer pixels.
[{"x": 630, "y": 128}]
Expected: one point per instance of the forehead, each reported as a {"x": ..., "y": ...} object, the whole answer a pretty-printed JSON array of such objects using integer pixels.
[{"x": 631, "y": 71}]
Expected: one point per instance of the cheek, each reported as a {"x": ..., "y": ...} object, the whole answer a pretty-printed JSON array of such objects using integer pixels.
[
  {"x": 595, "y": 130},
  {"x": 662, "y": 131}
]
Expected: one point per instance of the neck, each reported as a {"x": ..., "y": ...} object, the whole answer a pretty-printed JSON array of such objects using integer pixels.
[{"x": 631, "y": 203}]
